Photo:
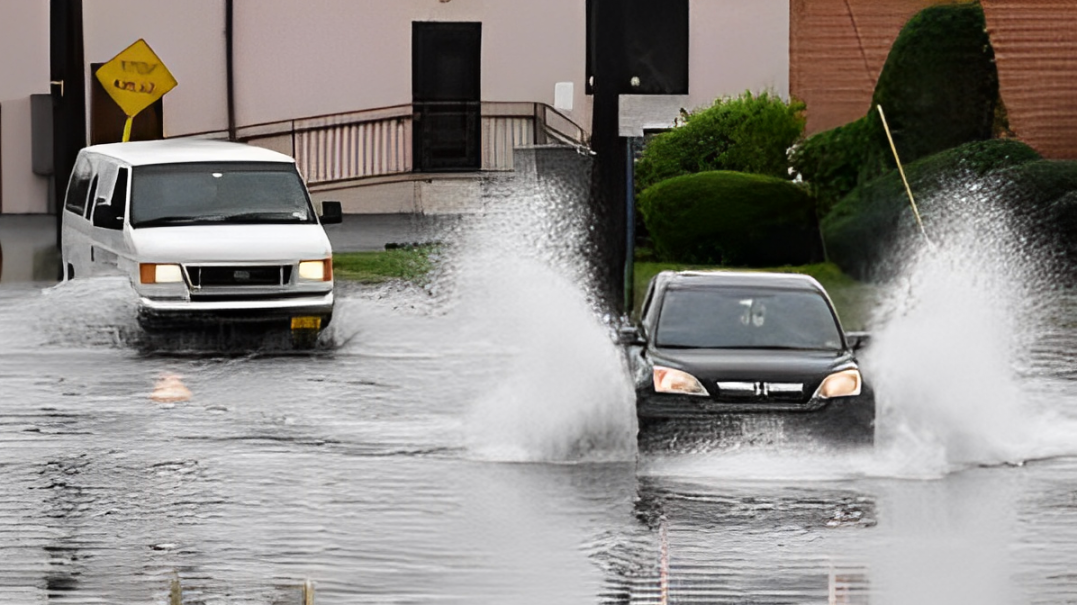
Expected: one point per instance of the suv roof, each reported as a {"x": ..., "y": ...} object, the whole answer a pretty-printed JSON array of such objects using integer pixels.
[
  {"x": 740, "y": 278},
  {"x": 175, "y": 151}
]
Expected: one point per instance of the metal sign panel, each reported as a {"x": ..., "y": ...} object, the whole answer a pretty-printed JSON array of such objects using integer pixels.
[{"x": 136, "y": 78}]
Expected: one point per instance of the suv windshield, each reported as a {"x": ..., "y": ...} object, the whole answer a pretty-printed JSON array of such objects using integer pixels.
[
  {"x": 743, "y": 318},
  {"x": 213, "y": 193}
]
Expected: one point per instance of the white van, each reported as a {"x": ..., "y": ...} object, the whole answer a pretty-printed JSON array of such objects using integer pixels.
[{"x": 207, "y": 231}]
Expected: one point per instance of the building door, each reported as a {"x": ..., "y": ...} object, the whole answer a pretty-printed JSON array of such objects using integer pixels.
[{"x": 446, "y": 88}]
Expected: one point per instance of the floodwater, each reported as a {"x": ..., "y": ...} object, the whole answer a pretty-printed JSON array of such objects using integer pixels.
[{"x": 473, "y": 441}]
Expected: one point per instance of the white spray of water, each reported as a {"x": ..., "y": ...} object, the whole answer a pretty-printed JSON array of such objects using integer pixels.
[
  {"x": 948, "y": 341},
  {"x": 551, "y": 385}
]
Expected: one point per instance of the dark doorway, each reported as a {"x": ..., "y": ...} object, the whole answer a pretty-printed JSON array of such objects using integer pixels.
[
  {"x": 446, "y": 89},
  {"x": 107, "y": 119}
]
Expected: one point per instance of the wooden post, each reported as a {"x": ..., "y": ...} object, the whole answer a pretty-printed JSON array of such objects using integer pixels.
[{"x": 175, "y": 593}]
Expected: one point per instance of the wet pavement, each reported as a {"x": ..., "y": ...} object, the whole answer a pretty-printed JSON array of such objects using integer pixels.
[{"x": 377, "y": 468}]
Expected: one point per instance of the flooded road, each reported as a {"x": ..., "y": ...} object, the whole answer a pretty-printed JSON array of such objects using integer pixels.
[
  {"x": 473, "y": 440},
  {"x": 413, "y": 460}
]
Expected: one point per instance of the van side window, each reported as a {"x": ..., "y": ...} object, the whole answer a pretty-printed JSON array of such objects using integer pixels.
[
  {"x": 119, "y": 193},
  {"x": 93, "y": 193},
  {"x": 78, "y": 187},
  {"x": 109, "y": 212}
]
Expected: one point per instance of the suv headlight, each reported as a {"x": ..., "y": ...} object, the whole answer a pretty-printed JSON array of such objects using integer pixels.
[
  {"x": 668, "y": 380},
  {"x": 845, "y": 383}
]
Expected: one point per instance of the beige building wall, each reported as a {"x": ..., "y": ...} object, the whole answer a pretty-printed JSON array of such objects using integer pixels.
[
  {"x": 331, "y": 56},
  {"x": 737, "y": 45},
  {"x": 24, "y": 33},
  {"x": 188, "y": 36}
]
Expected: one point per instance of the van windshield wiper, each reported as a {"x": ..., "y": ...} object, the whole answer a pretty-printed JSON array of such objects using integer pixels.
[{"x": 170, "y": 220}]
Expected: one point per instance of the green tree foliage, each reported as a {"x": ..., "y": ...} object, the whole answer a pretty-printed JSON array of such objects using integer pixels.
[
  {"x": 749, "y": 133},
  {"x": 939, "y": 89},
  {"x": 731, "y": 218},
  {"x": 864, "y": 228}
]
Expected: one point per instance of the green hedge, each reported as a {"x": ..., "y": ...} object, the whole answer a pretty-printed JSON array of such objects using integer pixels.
[
  {"x": 732, "y": 219},
  {"x": 939, "y": 89},
  {"x": 939, "y": 85},
  {"x": 862, "y": 230},
  {"x": 749, "y": 133}
]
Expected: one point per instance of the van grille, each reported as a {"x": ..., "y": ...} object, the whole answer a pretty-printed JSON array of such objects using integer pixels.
[{"x": 239, "y": 275}]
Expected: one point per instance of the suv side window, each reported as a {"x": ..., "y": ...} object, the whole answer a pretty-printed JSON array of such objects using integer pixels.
[{"x": 78, "y": 187}]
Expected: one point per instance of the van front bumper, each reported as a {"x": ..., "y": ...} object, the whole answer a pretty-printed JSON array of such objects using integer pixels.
[{"x": 165, "y": 313}]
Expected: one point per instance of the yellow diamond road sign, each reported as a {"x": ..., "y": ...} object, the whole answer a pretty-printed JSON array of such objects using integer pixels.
[{"x": 136, "y": 78}]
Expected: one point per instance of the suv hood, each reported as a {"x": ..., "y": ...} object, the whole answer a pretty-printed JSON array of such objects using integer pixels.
[
  {"x": 753, "y": 364},
  {"x": 229, "y": 243}
]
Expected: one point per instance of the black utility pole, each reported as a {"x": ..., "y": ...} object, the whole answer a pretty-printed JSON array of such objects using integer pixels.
[
  {"x": 67, "y": 74},
  {"x": 606, "y": 23},
  {"x": 635, "y": 47}
]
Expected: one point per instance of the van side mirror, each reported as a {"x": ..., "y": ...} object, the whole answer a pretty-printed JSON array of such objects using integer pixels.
[{"x": 332, "y": 213}]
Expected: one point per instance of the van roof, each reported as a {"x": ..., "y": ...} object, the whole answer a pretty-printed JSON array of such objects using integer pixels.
[{"x": 175, "y": 151}]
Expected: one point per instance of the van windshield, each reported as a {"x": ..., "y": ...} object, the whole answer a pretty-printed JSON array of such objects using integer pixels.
[{"x": 214, "y": 193}]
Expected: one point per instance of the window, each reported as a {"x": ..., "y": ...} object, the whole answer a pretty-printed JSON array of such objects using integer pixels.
[
  {"x": 746, "y": 318},
  {"x": 78, "y": 186},
  {"x": 215, "y": 193}
]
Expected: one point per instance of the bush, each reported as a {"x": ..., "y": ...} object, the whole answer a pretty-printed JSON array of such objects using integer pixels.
[
  {"x": 863, "y": 229},
  {"x": 939, "y": 89},
  {"x": 939, "y": 85},
  {"x": 750, "y": 133},
  {"x": 733, "y": 219}
]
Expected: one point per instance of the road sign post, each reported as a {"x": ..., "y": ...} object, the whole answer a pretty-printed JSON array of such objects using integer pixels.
[{"x": 135, "y": 79}]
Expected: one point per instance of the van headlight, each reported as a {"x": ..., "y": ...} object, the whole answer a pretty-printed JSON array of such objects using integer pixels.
[
  {"x": 316, "y": 270},
  {"x": 668, "y": 380},
  {"x": 845, "y": 383},
  {"x": 153, "y": 273}
]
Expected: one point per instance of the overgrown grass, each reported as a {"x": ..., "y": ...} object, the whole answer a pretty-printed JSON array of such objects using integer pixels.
[
  {"x": 409, "y": 264},
  {"x": 853, "y": 300}
]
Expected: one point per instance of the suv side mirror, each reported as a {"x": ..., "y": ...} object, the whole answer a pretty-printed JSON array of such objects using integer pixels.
[
  {"x": 630, "y": 336},
  {"x": 857, "y": 340},
  {"x": 332, "y": 213}
]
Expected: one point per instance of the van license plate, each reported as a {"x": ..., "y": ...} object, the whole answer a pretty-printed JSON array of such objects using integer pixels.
[{"x": 306, "y": 323}]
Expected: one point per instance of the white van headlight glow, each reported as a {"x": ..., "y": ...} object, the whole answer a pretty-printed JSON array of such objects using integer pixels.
[
  {"x": 845, "y": 383},
  {"x": 316, "y": 270},
  {"x": 668, "y": 380},
  {"x": 151, "y": 273}
]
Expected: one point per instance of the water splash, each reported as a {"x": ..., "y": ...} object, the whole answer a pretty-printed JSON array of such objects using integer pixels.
[
  {"x": 950, "y": 340},
  {"x": 555, "y": 386}
]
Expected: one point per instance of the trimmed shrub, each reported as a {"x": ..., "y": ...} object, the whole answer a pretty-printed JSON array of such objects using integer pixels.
[
  {"x": 749, "y": 133},
  {"x": 733, "y": 219},
  {"x": 863, "y": 229},
  {"x": 939, "y": 89},
  {"x": 939, "y": 85}
]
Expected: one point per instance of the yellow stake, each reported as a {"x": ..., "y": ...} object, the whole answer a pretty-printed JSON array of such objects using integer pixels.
[
  {"x": 127, "y": 129},
  {"x": 908, "y": 189}
]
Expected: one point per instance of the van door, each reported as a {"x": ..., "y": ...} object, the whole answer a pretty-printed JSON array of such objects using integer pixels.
[
  {"x": 75, "y": 235},
  {"x": 107, "y": 218}
]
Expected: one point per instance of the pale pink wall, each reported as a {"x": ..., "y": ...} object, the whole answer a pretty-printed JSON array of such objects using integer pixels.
[
  {"x": 188, "y": 36},
  {"x": 330, "y": 56},
  {"x": 737, "y": 45},
  {"x": 24, "y": 63}
]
